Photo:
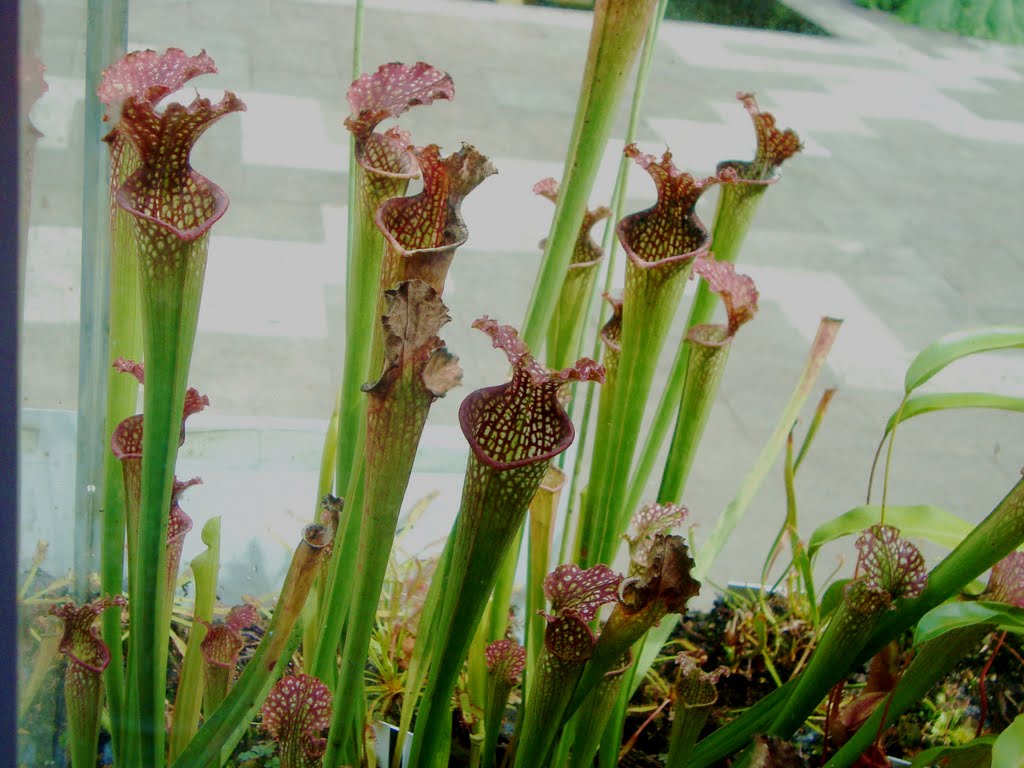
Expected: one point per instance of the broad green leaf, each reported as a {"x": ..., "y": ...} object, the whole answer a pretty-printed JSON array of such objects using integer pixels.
[
  {"x": 832, "y": 598},
  {"x": 918, "y": 521},
  {"x": 955, "y": 346},
  {"x": 944, "y": 401},
  {"x": 1008, "y": 750},
  {"x": 950, "y": 616},
  {"x": 976, "y": 754}
]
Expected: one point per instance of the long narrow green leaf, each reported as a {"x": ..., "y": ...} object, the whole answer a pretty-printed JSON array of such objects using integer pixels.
[
  {"x": 955, "y": 346},
  {"x": 916, "y": 521},
  {"x": 945, "y": 401},
  {"x": 952, "y": 616},
  {"x": 618, "y": 29},
  {"x": 1008, "y": 749},
  {"x": 733, "y": 513}
]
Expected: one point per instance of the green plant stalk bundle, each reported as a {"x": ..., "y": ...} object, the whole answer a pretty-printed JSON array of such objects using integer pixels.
[
  {"x": 737, "y": 205},
  {"x": 172, "y": 209},
  {"x": 543, "y": 508},
  {"x": 514, "y": 431},
  {"x": 596, "y": 713},
  {"x": 382, "y": 170},
  {"x": 889, "y": 568},
  {"x": 709, "y": 349},
  {"x": 418, "y": 370},
  {"x": 695, "y": 694},
  {"x": 383, "y": 165},
  {"x": 608, "y": 247},
  {"x": 617, "y": 32},
  {"x": 661, "y": 244},
  {"x": 506, "y": 661},
  {"x": 610, "y": 338},
  {"x": 125, "y": 341},
  {"x": 576, "y": 595},
  {"x": 297, "y": 710},
  {"x": 221, "y": 728},
  {"x": 150, "y": 76},
  {"x": 565, "y": 331},
  {"x": 189, "y": 696},
  {"x": 87, "y": 656}
]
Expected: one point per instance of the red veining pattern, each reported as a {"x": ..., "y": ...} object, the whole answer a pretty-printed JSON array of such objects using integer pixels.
[
  {"x": 80, "y": 641},
  {"x": 738, "y": 292},
  {"x": 506, "y": 658},
  {"x": 570, "y": 589},
  {"x": 670, "y": 229},
  {"x": 391, "y": 91}
]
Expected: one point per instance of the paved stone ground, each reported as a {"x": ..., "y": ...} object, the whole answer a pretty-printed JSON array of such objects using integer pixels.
[{"x": 901, "y": 216}]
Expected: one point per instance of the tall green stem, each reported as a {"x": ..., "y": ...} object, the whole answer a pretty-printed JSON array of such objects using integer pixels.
[
  {"x": 417, "y": 372},
  {"x": 615, "y": 37},
  {"x": 106, "y": 37}
]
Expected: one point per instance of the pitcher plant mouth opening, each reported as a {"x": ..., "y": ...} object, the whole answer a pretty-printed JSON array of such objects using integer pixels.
[
  {"x": 487, "y": 415},
  {"x": 668, "y": 232}
]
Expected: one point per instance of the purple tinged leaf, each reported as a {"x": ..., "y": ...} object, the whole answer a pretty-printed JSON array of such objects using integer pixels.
[
  {"x": 296, "y": 712},
  {"x": 1006, "y": 582},
  {"x": 391, "y": 91},
  {"x": 649, "y": 521},
  {"x": 123, "y": 365},
  {"x": 738, "y": 292},
  {"x": 521, "y": 422},
  {"x": 571, "y": 589},
  {"x": 506, "y": 338},
  {"x": 665, "y": 583},
  {"x": 611, "y": 332},
  {"x": 889, "y": 564},
  {"x": 506, "y": 659},
  {"x": 166, "y": 197},
  {"x": 695, "y": 687},
  {"x": 150, "y": 76},
  {"x": 224, "y": 640},
  {"x": 423, "y": 231},
  {"x": 587, "y": 251}
]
